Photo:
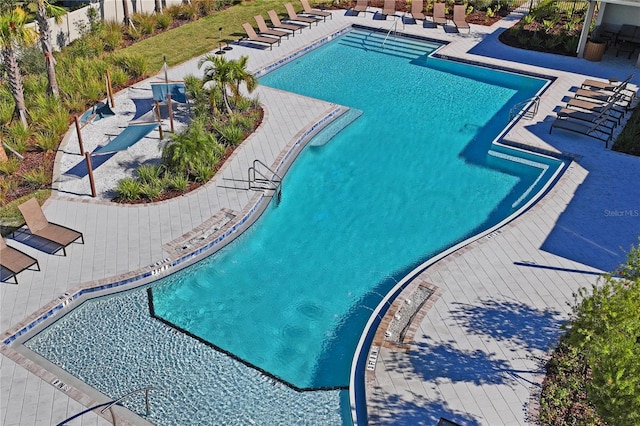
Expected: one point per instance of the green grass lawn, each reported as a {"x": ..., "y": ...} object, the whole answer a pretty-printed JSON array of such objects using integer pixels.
[{"x": 202, "y": 36}]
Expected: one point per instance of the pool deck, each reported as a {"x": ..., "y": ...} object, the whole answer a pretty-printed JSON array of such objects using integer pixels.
[{"x": 475, "y": 356}]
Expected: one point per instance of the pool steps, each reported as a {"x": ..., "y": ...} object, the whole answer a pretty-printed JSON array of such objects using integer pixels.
[{"x": 373, "y": 41}]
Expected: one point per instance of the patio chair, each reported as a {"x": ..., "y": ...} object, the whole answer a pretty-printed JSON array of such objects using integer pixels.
[
  {"x": 459, "y": 15},
  {"x": 389, "y": 8},
  {"x": 590, "y": 117},
  {"x": 361, "y": 6},
  {"x": 293, "y": 16},
  {"x": 41, "y": 227},
  {"x": 312, "y": 11},
  {"x": 417, "y": 10},
  {"x": 594, "y": 129},
  {"x": 264, "y": 29},
  {"x": 14, "y": 261},
  {"x": 616, "y": 96},
  {"x": 597, "y": 107},
  {"x": 609, "y": 85},
  {"x": 439, "y": 17},
  {"x": 251, "y": 34},
  {"x": 275, "y": 21}
]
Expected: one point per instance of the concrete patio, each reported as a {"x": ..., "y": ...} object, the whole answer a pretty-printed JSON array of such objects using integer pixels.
[{"x": 477, "y": 354}]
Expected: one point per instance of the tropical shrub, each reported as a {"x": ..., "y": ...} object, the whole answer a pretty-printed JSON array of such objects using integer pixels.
[
  {"x": 595, "y": 374},
  {"x": 128, "y": 189}
]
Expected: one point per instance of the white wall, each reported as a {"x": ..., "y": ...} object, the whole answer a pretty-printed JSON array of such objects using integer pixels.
[
  {"x": 615, "y": 15},
  {"x": 109, "y": 10}
]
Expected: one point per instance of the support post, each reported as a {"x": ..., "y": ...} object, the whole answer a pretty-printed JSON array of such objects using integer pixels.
[
  {"x": 75, "y": 120},
  {"x": 584, "y": 35},
  {"x": 159, "y": 119},
  {"x": 110, "y": 89},
  {"x": 92, "y": 182},
  {"x": 170, "y": 106}
]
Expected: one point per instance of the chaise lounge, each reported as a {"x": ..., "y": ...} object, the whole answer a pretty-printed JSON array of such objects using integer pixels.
[
  {"x": 317, "y": 12},
  {"x": 14, "y": 261},
  {"x": 293, "y": 16},
  {"x": 41, "y": 227},
  {"x": 275, "y": 21},
  {"x": 439, "y": 17},
  {"x": 253, "y": 36},
  {"x": 361, "y": 6},
  {"x": 264, "y": 29},
  {"x": 459, "y": 15}
]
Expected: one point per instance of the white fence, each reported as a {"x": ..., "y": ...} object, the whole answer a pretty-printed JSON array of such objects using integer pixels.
[{"x": 108, "y": 10}]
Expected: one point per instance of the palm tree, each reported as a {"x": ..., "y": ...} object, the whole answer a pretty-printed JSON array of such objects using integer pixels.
[
  {"x": 239, "y": 74},
  {"x": 14, "y": 33},
  {"x": 44, "y": 10},
  {"x": 218, "y": 71},
  {"x": 228, "y": 75}
]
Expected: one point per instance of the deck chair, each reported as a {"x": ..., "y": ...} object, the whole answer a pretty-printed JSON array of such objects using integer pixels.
[
  {"x": 459, "y": 17},
  {"x": 602, "y": 95},
  {"x": 41, "y": 227},
  {"x": 360, "y": 6},
  {"x": 14, "y": 261},
  {"x": 312, "y": 11},
  {"x": 439, "y": 17},
  {"x": 597, "y": 107},
  {"x": 251, "y": 34},
  {"x": 589, "y": 117},
  {"x": 275, "y": 21},
  {"x": 293, "y": 16},
  {"x": 609, "y": 85},
  {"x": 593, "y": 129},
  {"x": 417, "y": 10},
  {"x": 389, "y": 8},
  {"x": 264, "y": 29}
]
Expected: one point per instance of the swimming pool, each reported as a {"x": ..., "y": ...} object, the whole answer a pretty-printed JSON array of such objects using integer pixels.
[{"x": 409, "y": 178}]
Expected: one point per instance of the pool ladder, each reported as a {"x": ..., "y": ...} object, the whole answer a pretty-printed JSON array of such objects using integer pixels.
[
  {"x": 393, "y": 29},
  {"x": 254, "y": 183},
  {"x": 526, "y": 109},
  {"x": 109, "y": 405}
]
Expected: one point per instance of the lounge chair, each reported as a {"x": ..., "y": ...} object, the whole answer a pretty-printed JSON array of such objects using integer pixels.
[
  {"x": 251, "y": 34},
  {"x": 41, "y": 227},
  {"x": 609, "y": 108},
  {"x": 263, "y": 29},
  {"x": 616, "y": 96},
  {"x": 604, "y": 85},
  {"x": 459, "y": 15},
  {"x": 14, "y": 261},
  {"x": 593, "y": 129},
  {"x": 361, "y": 6},
  {"x": 389, "y": 8},
  {"x": 417, "y": 10},
  {"x": 293, "y": 16},
  {"x": 589, "y": 117},
  {"x": 275, "y": 21},
  {"x": 316, "y": 12},
  {"x": 439, "y": 17}
]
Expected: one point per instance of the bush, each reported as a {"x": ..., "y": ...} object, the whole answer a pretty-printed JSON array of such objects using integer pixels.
[
  {"x": 629, "y": 139},
  {"x": 134, "y": 65},
  {"x": 149, "y": 173},
  {"x": 178, "y": 182},
  {"x": 599, "y": 354},
  {"x": 144, "y": 23},
  {"x": 37, "y": 178},
  {"x": 164, "y": 21},
  {"x": 128, "y": 189}
]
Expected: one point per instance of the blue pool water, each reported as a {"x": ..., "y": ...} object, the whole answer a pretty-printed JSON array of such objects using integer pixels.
[
  {"x": 413, "y": 175},
  {"x": 406, "y": 180}
]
